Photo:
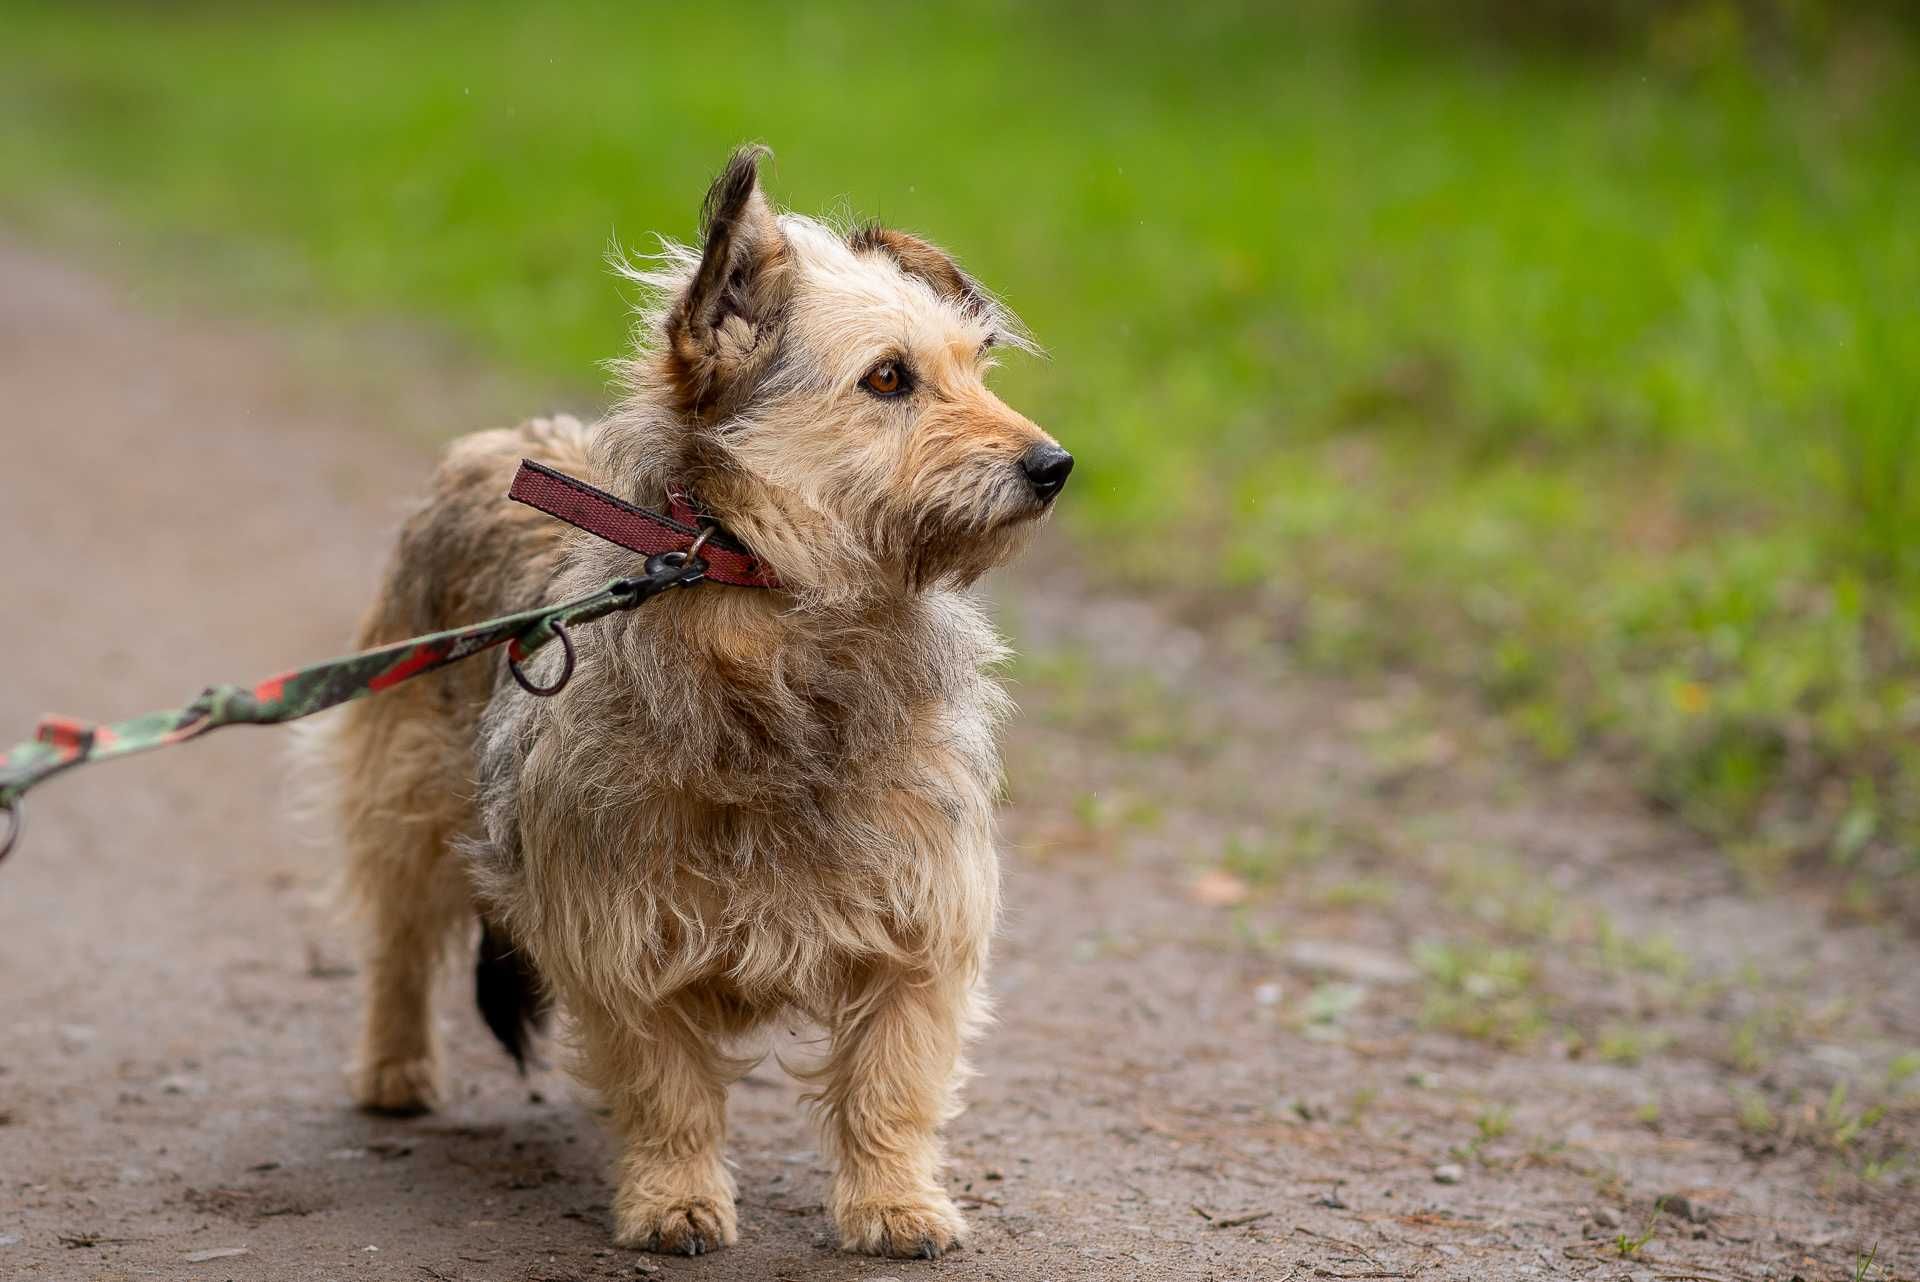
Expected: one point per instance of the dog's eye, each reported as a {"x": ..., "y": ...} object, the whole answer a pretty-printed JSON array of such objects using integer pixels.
[{"x": 888, "y": 378}]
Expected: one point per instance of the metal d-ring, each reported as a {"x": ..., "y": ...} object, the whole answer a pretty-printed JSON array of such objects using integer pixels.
[
  {"x": 566, "y": 668},
  {"x": 692, "y": 553},
  {"x": 687, "y": 559},
  {"x": 16, "y": 813}
]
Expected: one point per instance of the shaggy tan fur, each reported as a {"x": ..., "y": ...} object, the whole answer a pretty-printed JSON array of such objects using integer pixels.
[{"x": 746, "y": 802}]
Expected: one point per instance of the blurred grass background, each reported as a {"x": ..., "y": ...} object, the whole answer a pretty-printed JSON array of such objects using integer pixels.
[{"x": 1567, "y": 352}]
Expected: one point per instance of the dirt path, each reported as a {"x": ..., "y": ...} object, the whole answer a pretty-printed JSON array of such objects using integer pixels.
[{"x": 1279, "y": 955}]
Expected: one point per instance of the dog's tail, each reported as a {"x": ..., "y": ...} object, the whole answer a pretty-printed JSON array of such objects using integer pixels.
[{"x": 508, "y": 989}]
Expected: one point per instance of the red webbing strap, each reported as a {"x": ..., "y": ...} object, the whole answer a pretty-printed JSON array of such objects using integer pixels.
[{"x": 636, "y": 528}]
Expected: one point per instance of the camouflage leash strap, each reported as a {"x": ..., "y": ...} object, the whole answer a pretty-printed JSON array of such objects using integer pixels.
[{"x": 60, "y": 743}]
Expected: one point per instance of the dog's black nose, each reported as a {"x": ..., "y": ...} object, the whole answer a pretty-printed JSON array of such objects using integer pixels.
[{"x": 1046, "y": 467}]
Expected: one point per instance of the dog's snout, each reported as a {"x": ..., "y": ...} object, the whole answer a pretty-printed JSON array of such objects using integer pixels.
[{"x": 1046, "y": 467}]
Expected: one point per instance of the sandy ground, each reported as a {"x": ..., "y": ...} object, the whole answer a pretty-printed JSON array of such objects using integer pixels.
[{"x": 1197, "y": 1073}]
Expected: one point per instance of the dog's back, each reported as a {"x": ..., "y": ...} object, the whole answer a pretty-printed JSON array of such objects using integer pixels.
[
  {"x": 402, "y": 765},
  {"x": 468, "y": 553}
]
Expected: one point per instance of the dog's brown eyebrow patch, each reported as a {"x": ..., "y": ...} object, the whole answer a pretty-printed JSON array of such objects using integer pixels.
[{"x": 929, "y": 262}]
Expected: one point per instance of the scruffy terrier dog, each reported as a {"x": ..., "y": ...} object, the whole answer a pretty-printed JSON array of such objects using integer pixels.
[{"x": 746, "y": 802}]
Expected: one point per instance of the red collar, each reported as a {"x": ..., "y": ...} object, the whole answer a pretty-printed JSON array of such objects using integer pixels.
[{"x": 637, "y": 528}]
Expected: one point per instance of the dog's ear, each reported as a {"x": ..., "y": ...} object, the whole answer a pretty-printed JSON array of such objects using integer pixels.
[
  {"x": 719, "y": 330},
  {"x": 929, "y": 262}
]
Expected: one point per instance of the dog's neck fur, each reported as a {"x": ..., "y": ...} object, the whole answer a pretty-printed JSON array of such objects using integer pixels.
[
  {"x": 643, "y": 449},
  {"x": 768, "y": 697}
]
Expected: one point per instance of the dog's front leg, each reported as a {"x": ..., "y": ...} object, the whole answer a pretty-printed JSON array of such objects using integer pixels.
[
  {"x": 891, "y": 1082},
  {"x": 667, "y": 1087}
]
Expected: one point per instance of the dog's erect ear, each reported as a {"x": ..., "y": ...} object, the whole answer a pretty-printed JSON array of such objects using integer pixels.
[{"x": 719, "y": 330}]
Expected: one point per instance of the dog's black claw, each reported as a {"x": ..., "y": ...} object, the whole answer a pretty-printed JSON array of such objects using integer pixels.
[
  {"x": 929, "y": 1249},
  {"x": 694, "y": 1244}
]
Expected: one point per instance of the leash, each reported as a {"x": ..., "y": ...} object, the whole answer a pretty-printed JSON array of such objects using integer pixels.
[{"x": 683, "y": 547}]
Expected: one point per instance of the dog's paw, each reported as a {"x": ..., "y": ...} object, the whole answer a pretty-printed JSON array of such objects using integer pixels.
[
  {"x": 904, "y": 1230},
  {"x": 398, "y": 1087},
  {"x": 682, "y": 1226}
]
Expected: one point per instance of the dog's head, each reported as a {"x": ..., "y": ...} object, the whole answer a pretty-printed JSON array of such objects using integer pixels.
[{"x": 825, "y": 394}]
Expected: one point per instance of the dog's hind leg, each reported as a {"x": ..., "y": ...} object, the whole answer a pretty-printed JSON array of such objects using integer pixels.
[
  {"x": 420, "y": 905},
  {"x": 403, "y": 763},
  {"x": 410, "y": 889}
]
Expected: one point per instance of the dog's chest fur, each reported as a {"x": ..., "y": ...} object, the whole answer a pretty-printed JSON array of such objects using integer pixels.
[{"x": 729, "y": 791}]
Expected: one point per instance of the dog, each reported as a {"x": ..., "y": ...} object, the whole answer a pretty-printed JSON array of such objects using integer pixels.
[{"x": 746, "y": 803}]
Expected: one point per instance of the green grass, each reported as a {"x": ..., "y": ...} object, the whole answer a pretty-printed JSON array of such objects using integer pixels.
[{"x": 1591, "y": 383}]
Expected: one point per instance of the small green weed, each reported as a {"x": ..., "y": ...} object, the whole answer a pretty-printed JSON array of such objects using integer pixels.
[
  {"x": 1494, "y": 1122},
  {"x": 1359, "y": 892},
  {"x": 1264, "y": 858},
  {"x": 1628, "y": 1247},
  {"x": 1875, "y": 1169},
  {"x": 1840, "y": 1125},
  {"x": 1480, "y": 992},
  {"x": 1754, "y": 1115},
  {"x": 1656, "y": 954},
  {"x": 1629, "y": 1043}
]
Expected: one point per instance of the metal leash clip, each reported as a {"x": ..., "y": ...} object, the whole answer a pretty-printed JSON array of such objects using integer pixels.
[{"x": 677, "y": 569}]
